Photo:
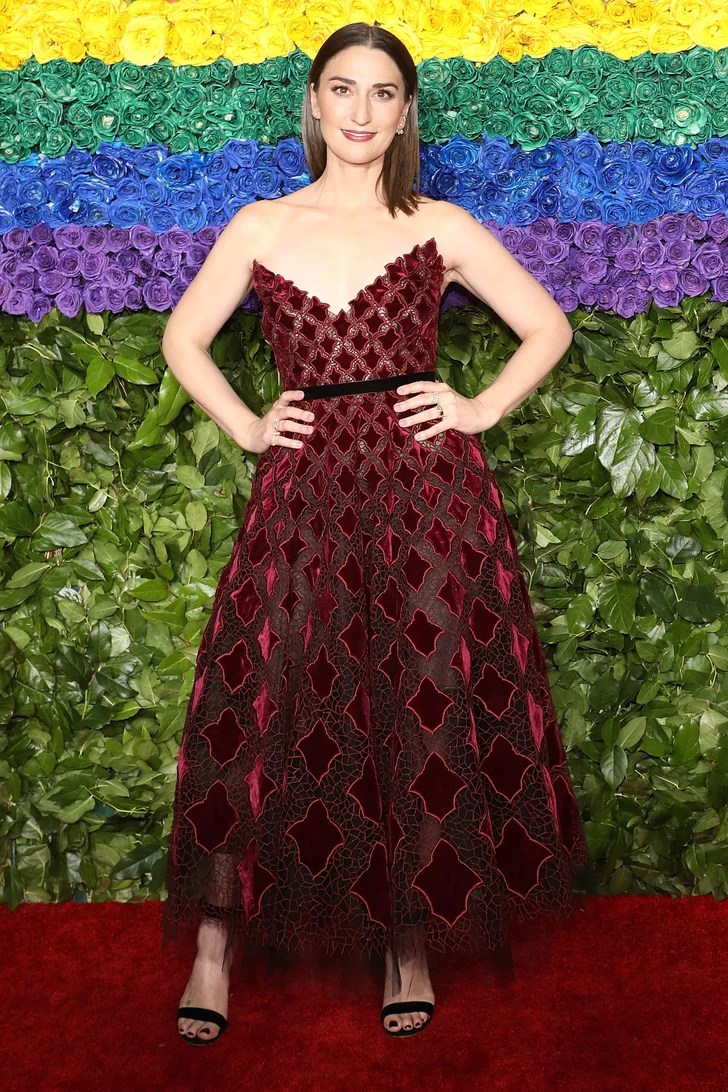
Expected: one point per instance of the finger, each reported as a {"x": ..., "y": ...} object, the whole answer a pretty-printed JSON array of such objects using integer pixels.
[
  {"x": 426, "y": 398},
  {"x": 294, "y": 426},
  {"x": 429, "y": 414},
  {"x": 428, "y": 433}
]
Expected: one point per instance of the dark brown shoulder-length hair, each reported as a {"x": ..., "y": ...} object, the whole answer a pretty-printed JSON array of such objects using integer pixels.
[{"x": 400, "y": 172}]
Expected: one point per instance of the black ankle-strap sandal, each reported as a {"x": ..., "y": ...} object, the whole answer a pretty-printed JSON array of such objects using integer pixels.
[
  {"x": 397, "y": 1007},
  {"x": 191, "y": 1012}
]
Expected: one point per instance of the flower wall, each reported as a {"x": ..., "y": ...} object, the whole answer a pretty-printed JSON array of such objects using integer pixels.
[{"x": 592, "y": 139}]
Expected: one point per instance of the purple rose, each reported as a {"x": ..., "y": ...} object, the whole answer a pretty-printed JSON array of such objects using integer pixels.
[
  {"x": 156, "y": 294},
  {"x": 607, "y": 298},
  {"x": 70, "y": 237},
  {"x": 628, "y": 258},
  {"x": 142, "y": 238},
  {"x": 566, "y": 299},
  {"x": 15, "y": 239},
  {"x": 94, "y": 298},
  {"x": 207, "y": 236},
  {"x": 17, "y": 302},
  {"x": 116, "y": 239},
  {"x": 94, "y": 239},
  {"x": 664, "y": 279},
  {"x": 69, "y": 301},
  {"x": 45, "y": 258},
  {"x": 52, "y": 283},
  {"x": 92, "y": 265},
  {"x": 694, "y": 226},
  {"x": 133, "y": 298},
  {"x": 589, "y": 238},
  {"x": 671, "y": 227},
  {"x": 116, "y": 298},
  {"x": 692, "y": 283},
  {"x": 720, "y": 289},
  {"x": 25, "y": 278},
  {"x": 115, "y": 278},
  {"x": 39, "y": 306},
  {"x": 167, "y": 262},
  {"x": 68, "y": 262},
  {"x": 127, "y": 259},
  {"x": 653, "y": 254},
  {"x": 680, "y": 251},
  {"x": 41, "y": 234},
  {"x": 671, "y": 298},
  {"x": 718, "y": 228},
  {"x": 554, "y": 251},
  {"x": 613, "y": 240},
  {"x": 631, "y": 302},
  {"x": 708, "y": 260},
  {"x": 176, "y": 241}
]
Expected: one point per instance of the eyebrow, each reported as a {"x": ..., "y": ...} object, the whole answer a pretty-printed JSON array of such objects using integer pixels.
[{"x": 345, "y": 80}]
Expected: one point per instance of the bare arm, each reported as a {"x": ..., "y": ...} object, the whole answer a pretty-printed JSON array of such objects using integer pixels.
[
  {"x": 219, "y": 288},
  {"x": 484, "y": 266}
]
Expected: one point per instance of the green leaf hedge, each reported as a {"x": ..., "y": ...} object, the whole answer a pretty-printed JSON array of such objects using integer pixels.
[{"x": 121, "y": 502}]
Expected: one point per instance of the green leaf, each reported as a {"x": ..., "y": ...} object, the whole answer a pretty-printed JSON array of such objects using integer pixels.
[
  {"x": 683, "y": 345},
  {"x": 614, "y": 766},
  {"x": 196, "y": 515},
  {"x": 28, "y": 574},
  {"x": 95, "y": 323},
  {"x": 617, "y": 605},
  {"x": 99, "y": 373},
  {"x": 135, "y": 371},
  {"x": 621, "y": 449},
  {"x": 151, "y": 591},
  {"x": 57, "y": 530}
]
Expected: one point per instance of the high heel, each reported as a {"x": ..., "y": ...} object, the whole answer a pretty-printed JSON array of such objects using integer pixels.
[
  {"x": 192, "y": 1012},
  {"x": 397, "y": 1007}
]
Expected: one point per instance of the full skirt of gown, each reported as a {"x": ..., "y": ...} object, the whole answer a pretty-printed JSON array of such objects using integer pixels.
[{"x": 370, "y": 741}]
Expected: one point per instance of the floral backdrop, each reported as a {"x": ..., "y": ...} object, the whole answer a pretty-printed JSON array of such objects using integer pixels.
[{"x": 591, "y": 138}]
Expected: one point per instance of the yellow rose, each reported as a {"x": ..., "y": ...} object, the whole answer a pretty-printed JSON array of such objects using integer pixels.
[
  {"x": 452, "y": 21},
  {"x": 275, "y": 40},
  {"x": 619, "y": 10},
  {"x": 711, "y": 32},
  {"x": 14, "y": 49},
  {"x": 588, "y": 11},
  {"x": 558, "y": 18},
  {"x": 53, "y": 39},
  {"x": 486, "y": 40},
  {"x": 687, "y": 12},
  {"x": 624, "y": 42},
  {"x": 539, "y": 8},
  {"x": 511, "y": 50},
  {"x": 536, "y": 39},
  {"x": 667, "y": 38},
  {"x": 223, "y": 15},
  {"x": 144, "y": 40},
  {"x": 643, "y": 12}
]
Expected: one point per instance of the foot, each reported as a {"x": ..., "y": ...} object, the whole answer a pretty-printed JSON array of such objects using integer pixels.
[
  {"x": 415, "y": 984},
  {"x": 207, "y": 986}
]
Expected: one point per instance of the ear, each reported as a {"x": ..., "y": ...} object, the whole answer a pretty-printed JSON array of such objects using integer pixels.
[{"x": 314, "y": 102}]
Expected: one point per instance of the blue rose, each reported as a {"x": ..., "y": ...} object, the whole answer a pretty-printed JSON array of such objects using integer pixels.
[
  {"x": 459, "y": 152},
  {"x": 674, "y": 163},
  {"x": 124, "y": 214},
  {"x": 289, "y": 157}
]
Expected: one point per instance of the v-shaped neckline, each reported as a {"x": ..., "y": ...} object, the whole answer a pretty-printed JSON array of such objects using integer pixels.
[{"x": 379, "y": 279}]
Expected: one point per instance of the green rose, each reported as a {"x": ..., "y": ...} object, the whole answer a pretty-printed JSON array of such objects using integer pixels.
[
  {"x": 461, "y": 70},
  {"x": 91, "y": 90},
  {"x": 221, "y": 71},
  {"x": 500, "y": 123},
  {"x": 446, "y": 125},
  {"x": 161, "y": 74},
  {"x": 276, "y": 102},
  {"x": 617, "y": 127},
  {"x": 299, "y": 65},
  {"x": 273, "y": 69},
  {"x": 667, "y": 64},
  {"x": 58, "y": 87},
  {"x": 190, "y": 73},
  {"x": 618, "y": 91},
  {"x": 183, "y": 141},
  {"x": 462, "y": 95},
  {"x": 647, "y": 93},
  {"x": 8, "y": 82},
  {"x": 189, "y": 97},
  {"x": 130, "y": 77},
  {"x": 212, "y": 138},
  {"x": 248, "y": 75},
  {"x": 93, "y": 66},
  {"x": 586, "y": 59},
  {"x": 105, "y": 123},
  {"x": 27, "y": 100},
  {"x": 432, "y": 97},
  {"x": 432, "y": 72},
  {"x": 137, "y": 113},
  {"x": 531, "y": 130},
  {"x": 690, "y": 115},
  {"x": 49, "y": 113},
  {"x": 31, "y": 70},
  {"x": 136, "y": 137},
  {"x": 57, "y": 141},
  {"x": 496, "y": 98},
  {"x": 574, "y": 100},
  {"x": 244, "y": 98},
  {"x": 647, "y": 127},
  {"x": 163, "y": 129},
  {"x": 557, "y": 62},
  {"x": 699, "y": 61}
]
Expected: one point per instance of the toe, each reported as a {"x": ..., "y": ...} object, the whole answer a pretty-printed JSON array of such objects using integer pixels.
[{"x": 393, "y": 1023}]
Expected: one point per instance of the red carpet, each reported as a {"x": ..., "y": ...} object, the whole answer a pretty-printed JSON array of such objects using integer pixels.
[{"x": 634, "y": 996}]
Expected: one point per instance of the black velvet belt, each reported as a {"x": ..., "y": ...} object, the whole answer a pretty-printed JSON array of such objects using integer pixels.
[{"x": 385, "y": 383}]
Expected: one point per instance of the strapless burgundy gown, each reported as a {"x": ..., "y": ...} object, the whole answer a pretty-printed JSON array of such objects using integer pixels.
[{"x": 370, "y": 741}]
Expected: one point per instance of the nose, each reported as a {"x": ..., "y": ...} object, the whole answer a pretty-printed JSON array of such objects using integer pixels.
[{"x": 360, "y": 116}]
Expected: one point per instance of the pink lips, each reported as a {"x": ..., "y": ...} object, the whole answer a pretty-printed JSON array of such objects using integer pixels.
[{"x": 357, "y": 136}]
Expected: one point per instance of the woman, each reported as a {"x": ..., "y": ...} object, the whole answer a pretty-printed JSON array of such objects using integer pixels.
[{"x": 371, "y": 759}]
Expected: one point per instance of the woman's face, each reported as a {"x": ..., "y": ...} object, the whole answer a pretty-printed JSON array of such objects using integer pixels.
[{"x": 361, "y": 91}]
